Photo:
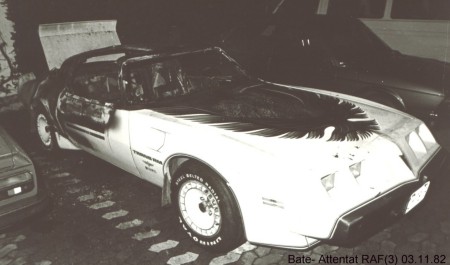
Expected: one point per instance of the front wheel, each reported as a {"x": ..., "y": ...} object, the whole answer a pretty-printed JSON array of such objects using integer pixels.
[
  {"x": 45, "y": 134},
  {"x": 206, "y": 208}
]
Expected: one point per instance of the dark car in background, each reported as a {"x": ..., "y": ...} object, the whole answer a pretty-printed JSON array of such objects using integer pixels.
[
  {"x": 341, "y": 54},
  {"x": 22, "y": 195}
]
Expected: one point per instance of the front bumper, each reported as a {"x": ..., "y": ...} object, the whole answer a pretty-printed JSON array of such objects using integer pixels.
[{"x": 357, "y": 225}]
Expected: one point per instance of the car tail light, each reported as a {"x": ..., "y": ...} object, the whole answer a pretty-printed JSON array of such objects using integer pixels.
[
  {"x": 328, "y": 182},
  {"x": 416, "y": 144},
  {"x": 356, "y": 169},
  {"x": 16, "y": 184}
]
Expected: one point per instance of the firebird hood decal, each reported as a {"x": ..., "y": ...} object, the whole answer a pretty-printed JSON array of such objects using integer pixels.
[{"x": 284, "y": 113}]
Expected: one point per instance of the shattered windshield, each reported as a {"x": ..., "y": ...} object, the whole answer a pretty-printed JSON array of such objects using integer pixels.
[{"x": 169, "y": 77}]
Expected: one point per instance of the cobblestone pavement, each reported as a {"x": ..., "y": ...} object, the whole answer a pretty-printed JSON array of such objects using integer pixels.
[{"x": 102, "y": 215}]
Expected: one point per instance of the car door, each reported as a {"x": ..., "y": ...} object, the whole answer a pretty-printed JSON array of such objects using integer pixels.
[
  {"x": 146, "y": 136},
  {"x": 85, "y": 107}
]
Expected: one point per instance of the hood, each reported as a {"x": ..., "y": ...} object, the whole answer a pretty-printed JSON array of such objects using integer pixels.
[
  {"x": 6, "y": 151},
  {"x": 409, "y": 72},
  {"x": 280, "y": 112},
  {"x": 62, "y": 40}
]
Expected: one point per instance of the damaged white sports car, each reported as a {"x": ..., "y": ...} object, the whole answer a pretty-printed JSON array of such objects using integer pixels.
[{"x": 240, "y": 159}]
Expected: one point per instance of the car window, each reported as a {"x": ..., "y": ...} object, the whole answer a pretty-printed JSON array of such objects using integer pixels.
[
  {"x": 102, "y": 86},
  {"x": 158, "y": 80},
  {"x": 97, "y": 84}
]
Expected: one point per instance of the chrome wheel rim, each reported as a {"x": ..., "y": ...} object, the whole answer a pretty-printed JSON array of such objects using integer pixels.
[
  {"x": 199, "y": 208},
  {"x": 43, "y": 130}
]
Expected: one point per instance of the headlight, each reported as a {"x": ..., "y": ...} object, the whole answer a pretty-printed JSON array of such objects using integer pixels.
[
  {"x": 416, "y": 144},
  {"x": 16, "y": 184},
  {"x": 356, "y": 169},
  {"x": 426, "y": 136},
  {"x": 328, "y": 182}
]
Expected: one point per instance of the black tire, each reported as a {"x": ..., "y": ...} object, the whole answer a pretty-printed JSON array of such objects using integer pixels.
[
  {"x": 214, "y": 221},
  {"x": 44, "y": 130}
]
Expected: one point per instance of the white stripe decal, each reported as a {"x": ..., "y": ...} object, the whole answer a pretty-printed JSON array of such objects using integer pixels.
[
  {"x": 129, "y": 224},
  {"x": 116, "y": 214},
  {"x": 101, "y": 205},
  {"x": 141, "y": 236},
  {"x": 182, "y": 259},
  {"x": 163, "y": 246}
]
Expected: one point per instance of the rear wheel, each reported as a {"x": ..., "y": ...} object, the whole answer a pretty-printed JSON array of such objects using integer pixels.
[
  {"x": 45, "y": 134},
  {"x": 206, "y": 208}
]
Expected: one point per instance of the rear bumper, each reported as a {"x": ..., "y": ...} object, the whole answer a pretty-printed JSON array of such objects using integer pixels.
[
  {"x": 375, "y": 215},
  {"x": 16, "y": 212}
]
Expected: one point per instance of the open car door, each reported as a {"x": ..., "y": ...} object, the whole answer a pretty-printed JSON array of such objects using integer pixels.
[{"x": 86, "y": 106}]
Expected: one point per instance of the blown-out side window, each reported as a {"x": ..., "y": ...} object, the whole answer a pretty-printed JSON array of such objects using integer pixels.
[{"x": 96, "y": 83}]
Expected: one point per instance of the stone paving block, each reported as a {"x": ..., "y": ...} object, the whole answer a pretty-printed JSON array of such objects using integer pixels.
[
  {"x": 129, "y": 224},
  {"x": 438, "y": 238},
  {"x": 163, "y": 246},
  {"x": 278, "y": 251},
  {"x": 269, "y": 259},
  {"x": 244, "y": 248},
  {"x": 445, "y": 227},
  {"x": 418, "y": 237},
  {"x": 59, "y": 175},
  {"x": 19, "y": 261},
  {"x": 428, "y": 247},
  {"x": 344, "y": 252},
  {"x": 5, "y": 261},
  {"x": 325, "y": 249},
  {"x": 387, "y": 247},
  {"x": 115, "y": 214},
  {"x": 19, "y": 238},
  {"x": 7, "y": 249},
  {"x": 183, "y": 259},
  {"x": 408, "y": 248},
  {"x": 44, "y": 262},
  {"x": 383, "y": 235},
  {"x": 86, "y": 197},
  {"x": 230, "y": 257},
  {"x": 262, "y": 251},
  {"x": 102, "y": 205},
  {"x": 247, "y": 258},
  {"x": 315, "y": 258},
  {"x": 144, "y": 235},
  {"x": 443, "y": 249}
]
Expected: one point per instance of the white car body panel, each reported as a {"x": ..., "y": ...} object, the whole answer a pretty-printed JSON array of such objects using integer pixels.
[{"x": 277, "y": 181}]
